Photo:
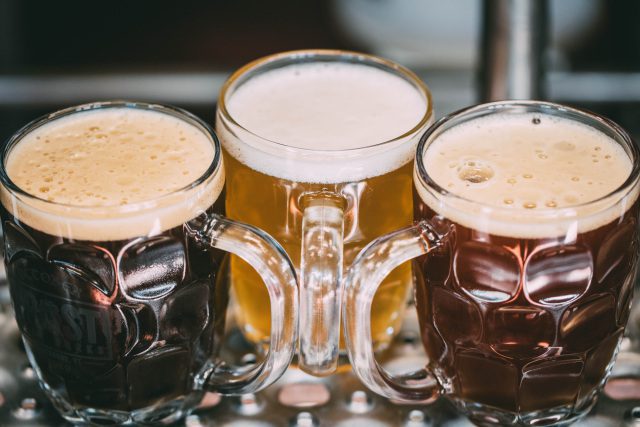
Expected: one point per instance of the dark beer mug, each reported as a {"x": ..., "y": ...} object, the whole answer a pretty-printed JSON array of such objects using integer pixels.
[
  {"x": 115, "y": 246},
  {"x": 525, "y": 249}
]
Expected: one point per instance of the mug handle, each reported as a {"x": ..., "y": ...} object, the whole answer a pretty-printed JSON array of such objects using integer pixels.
[
  {"x": 321, "y": 264},
  {"x": 363, "y": 278},
  {"x": 268, "y": 258}
]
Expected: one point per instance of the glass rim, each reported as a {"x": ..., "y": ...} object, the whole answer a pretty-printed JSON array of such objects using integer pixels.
[
  {"x": 45, "y": 119},
  {"x": 336, "y": 55},
  {"x": 446, "y": 122}
]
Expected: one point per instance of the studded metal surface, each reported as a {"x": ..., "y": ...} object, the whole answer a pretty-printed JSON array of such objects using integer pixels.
[{"x": 299, "y": 400}]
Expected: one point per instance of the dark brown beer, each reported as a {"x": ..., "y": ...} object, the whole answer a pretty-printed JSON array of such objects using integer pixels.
[
  {"x": 520, "y": 350},
  {"x": 118, "y": 325},
  {"x": 120, "y": 311},
  {"x": 523, "y": 306}
]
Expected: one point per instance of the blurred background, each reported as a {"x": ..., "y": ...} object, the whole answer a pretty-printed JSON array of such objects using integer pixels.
[{"x": 57, "y": 54}]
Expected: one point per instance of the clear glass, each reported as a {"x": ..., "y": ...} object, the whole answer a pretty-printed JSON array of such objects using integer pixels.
[
  {"x": 322, "y": 226},
  {"x": 127, "y": 330},
  {"x": 519, "y": 331}
]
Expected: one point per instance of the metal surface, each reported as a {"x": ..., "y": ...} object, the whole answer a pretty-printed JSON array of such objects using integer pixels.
[
  {"x": 62, "y": 89},
  {"x": 452, "y": 89},
  {"x": 299, "y": 400},
  {"x": 514, "y": 36}
]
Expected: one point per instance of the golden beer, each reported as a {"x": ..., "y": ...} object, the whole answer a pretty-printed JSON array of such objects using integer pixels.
[{"x": 350, "y": 129}]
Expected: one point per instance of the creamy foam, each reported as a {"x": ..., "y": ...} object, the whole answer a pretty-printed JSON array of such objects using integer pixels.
[
  {"x": 324, "y": 107},
  {"x": 99, "y": 167},
  {"x": 530, "y": 166}
]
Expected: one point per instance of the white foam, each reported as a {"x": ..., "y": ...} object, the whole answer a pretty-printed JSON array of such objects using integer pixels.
[
  {"x": 527, "y": 175},
  {"x": 300, "y": 118},
  {"x": 111, "y": 174}
]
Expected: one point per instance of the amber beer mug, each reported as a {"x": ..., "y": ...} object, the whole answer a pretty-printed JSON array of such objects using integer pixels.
[
  {"x": 114, "y": 246},
  {"x": 319, "y": 147},
  {"x": 525, "y": 249}
]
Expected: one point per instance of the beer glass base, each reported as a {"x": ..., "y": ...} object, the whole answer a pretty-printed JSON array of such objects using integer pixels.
[
  {"x": 558, "y": 416},
  {"x": 165, "y": 413}
]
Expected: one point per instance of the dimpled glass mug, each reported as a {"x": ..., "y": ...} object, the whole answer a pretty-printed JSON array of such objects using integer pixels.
[
  {"x": 115, "y": 246},
  {"x": 525, "y": 252}
]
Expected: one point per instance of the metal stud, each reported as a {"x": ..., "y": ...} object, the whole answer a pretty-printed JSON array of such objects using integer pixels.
[
  {"x": 304, "y": 419},
  {"x": 27, "y": 410},
  {"x": 632, "y": 417},
  {"x": 417, "y": 418},
  {"x": 359, "y": 402},
  {"x": 249, "y": 404},
  {"x": 249, "y": 359},
  {"x": 28, "y": 372}
]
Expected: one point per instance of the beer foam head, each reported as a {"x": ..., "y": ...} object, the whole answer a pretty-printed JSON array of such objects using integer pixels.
[
  {"x": 299, "y": 119},
  {"x": 112, "y": 173},
  {"x": 525, "y": 172}
]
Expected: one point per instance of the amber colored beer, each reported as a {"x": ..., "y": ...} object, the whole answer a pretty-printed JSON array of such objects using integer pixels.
[
  {"x": 274, "y": 201},
  {"x": 523, "y": 307},
  {"x": 291, "y": 127}
]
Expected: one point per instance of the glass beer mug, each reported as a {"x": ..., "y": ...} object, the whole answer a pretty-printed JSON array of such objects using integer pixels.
[
  {"x": 525, "y": 249},
  {"x": 318, "y": 146},
  {"x": 114, "y": 246}
]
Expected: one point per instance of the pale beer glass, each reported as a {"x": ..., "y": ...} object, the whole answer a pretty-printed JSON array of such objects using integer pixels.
[
  {"x": 318, "y": 146},
  {"x": 115, "y": 248},
  {"x": 525, "y": 249}
]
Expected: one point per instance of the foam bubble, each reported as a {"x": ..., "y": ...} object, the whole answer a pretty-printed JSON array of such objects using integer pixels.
[
  {"x": 323, "y": 107},
  {"x": 108, "y": 160},
  {"x": 508, "y": 172},
  {"x": 475, "y": 171}
]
